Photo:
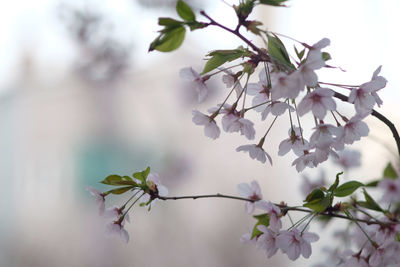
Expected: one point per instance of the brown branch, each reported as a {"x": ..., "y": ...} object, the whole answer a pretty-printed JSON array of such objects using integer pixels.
[
  {"x": 380, "y": 117},
  {"x": 281, "y": 206}
]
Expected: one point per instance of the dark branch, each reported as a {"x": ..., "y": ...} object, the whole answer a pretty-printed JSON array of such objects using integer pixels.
[{"x": 380, "y": 117}]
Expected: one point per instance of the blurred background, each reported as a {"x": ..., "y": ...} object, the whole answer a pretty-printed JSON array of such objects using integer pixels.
[{"x": 81, "y": 98}]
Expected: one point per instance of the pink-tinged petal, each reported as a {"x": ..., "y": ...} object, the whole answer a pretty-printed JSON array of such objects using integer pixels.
[
  {"x": 124, "y": 235},
  {"x": 279, "y": 108},
  {"x": 259, "y": 100},
  {"x": 188, "y": 74},
  {"x": 324, "y": 42},
  {"x": 249, "y": 207},
  {"x": 212, "y": 130},
  {"x": 306, "y": 250},
  {"x": 202, "y": 92},
  {"x": 254, "y": 89},
  {"x": 244, "y": 190},
  {"x": 319, "y": 110},
  {"x": 284, "y": 147}
]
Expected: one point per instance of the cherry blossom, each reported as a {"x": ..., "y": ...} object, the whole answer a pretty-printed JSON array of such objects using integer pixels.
[
  {"x": 324, "y": 135},
  {"x": 255, "y": 152},
  {"x": 259, "y": 90},
  {"x": 308, "y": 186},
  {"x": 117, "y": 228},
  {"x": 295, "y": 143},
  {"x": 308, "y": 159},
  {"x": 286, "y": 86},
  {"x": 294, "y": 243},
  {"x": 229, "y": 79},
  {"x": 191, "y": 75},
  {"x": 99, "y": 197},
  {"x": 277, "y": 108},
  {"x": 349, "y": 159},
  {"x": 267, "y": 240},
  {"x": 318, "y": 101},
  {"x": 210, "y": 126},
  {"x": 252, "y": 191},
  {"x": 353, "y": 130},
  {"x": 391, "y": 188},
  {"x": 273, "y": 211},
  {"x": 116, "y": 212},
  {"x": 313, "y": 62}
]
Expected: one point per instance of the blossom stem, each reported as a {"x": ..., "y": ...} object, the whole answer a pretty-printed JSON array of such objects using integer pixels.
[
  {"x": 359, "y": 226},
  {"x": 134, "y": 202},
  {"x": 123, "y": 206},
  {"x": 281, "y": 206},
  {"x": 266, "y": 102},
  {"x": 380, "y": 117},
  {"x": 346, "y": 86},
  {"x": 298, "y": 121},
  {"x": 224, "y": 69},
  {"x": 269, "y": 128}
]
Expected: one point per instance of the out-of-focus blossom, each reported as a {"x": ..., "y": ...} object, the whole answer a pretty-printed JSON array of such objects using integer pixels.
[
  {"x": 267, "y": 241},
  {"x": 211, "y": 128},
  {"x": 191, "y": 75},
  {"x": 318, "y": 101},
  {"x": 295, "y": 243},
  {"x": 255, "y": 152},
  {"x": 99, "y": 197}
]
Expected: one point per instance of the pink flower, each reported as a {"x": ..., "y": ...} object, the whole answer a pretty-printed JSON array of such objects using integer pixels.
[
  {"x": 210, "y": 126},
  {"x": 318, "y": 101},
  {"x": 255, "y": 152},
  {"x": 267, "y": 241},
  {"x": 99, "y": 197},
  {"x": 277, "y": 108},
  {"x": 306, "y": 160},
  {"x": 252, "y": 191},
  {"x": 295, "y": 142},
  {"x": 308, "y": 186},
  {"x": 349, "y": 159},
  {"x": 286, "y": 86},
  {"x": 391, "y": 189},
  {"x": 294, "y": 243},
  {"x": 323, "y": 135},
  {"x": 353, "y": 130},
  {"x": 313, "y": 62},
  {"x": 116, "y": 212},
  {"x": 229, "y": 79},
  {"x": 199, "y": 82},
  {"x": 273, "y": 211},
  {"x": 259, "y": 90},
  {"x": 117, "y": 228},
  {"x": 232, "y": 122}
]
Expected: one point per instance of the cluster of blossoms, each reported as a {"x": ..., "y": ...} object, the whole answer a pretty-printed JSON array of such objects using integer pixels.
[
  {"x": 268, "y": 234},
  {"x": 146, "y": 189},
  {"x": 276, "y": 93},
  {"x": 285, "y": 85}
]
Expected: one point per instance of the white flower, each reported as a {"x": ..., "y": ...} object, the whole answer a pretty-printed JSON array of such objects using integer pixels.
[
  {"x": 273, "y": 211},
  {"x": 349, "y": 159},
  {"x": 210, "y": 126},
  {"x": 267, "y": 241},
  {"x": 352, "y": 259},
  {"x": 156, "y": 187},
  {"x": 259, "y": 90},
  {"x": 318, "y": 101},
  {"x": 353, "y": 130},
  {"x": 391, "y": 189},
  {"x": 294, "y": 243},
  {"x": 191, "y": 75},
  {"x": 286, "y": 86},
  {"x": 255, "y": 152},
  {"x": 294, "y": 142},
  {"x": 365, "y": 97},
  {"x": 313, "y": 62},
  {"x": 252, "y": 191},
  {"x": 116, "y": 212},
  {"x": 99, "y": 197},
  {"x": 118, "y": 229},
  {"x": 229, "y": 79},
  {"x": 323, "y": 135},
  {"x": 306, "y": 160},
  {"x": 246, "y": 239},
  {"x": 277, "y": 108},
  {"x": 232, "y": 122}
]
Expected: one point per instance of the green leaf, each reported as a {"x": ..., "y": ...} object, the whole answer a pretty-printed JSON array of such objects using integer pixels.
[
  {"x": 169, "y": 39},
  {"x": 347, "y": 188},
  {"x": 326, "y": 56},
  {"x": 244, "y": 9},
  {"x": 315, "y": 194},
  {"x": 185, "y": 11},
  {"x": 277, "y": 51},
  {"x": 142, "y": 176},
  {"x": 194, "y": 25},
  {"x": 390, "y": 172},
  {"x": 320, "y": 204},
  {"x": 300, "y": 54},
  {"x": 118, "y": 180},
  {"x": 273, "y": 2},
  {"x": 120, "y": 190},
  {"x": 336, "y": 183},
  {"x": 373, "y": 183},
  {"x": 169, "y": 23},
  {"x": 370, "y": 203},
  {"x": 263, "y": 219},
  {"x": 219, "y": 57}
]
